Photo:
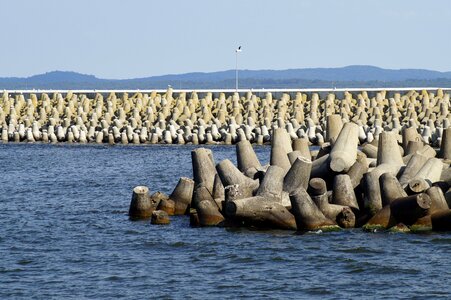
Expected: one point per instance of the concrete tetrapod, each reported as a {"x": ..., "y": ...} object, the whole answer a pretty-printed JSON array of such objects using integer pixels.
[
  {"x": 389, "y": 159},
  {"x": 408, "y": 209},
  {"x": 356, "y": 172},
  {"x": 343, "y": 192},
  {"x": 391, "y": 189},
  {"x": 193, "y": 218},
  {"x": 317, "y": 187},
  {"x": 230, "y": 175},
  {"x": 344, "y": 151},
  {"x": 370, "y": 150},
  {"x": 204, "y": 170},
  {"x": 261, "y": 212},
  {"x": 140, "y": 206},
  {"x": 382, "y": 220},
  {"x": 167, "y": 205},
  {"x": 430, "y": 171},
  {"x": 246, "y": 156},
  {"x": 218, "y": 191},
  {"x": 279, "y": 158},
  {"x": 182, "y": 195},
  {"x": 445, "y": 147},
  {"x": 441, "y": 220},
  {"x": 280, "y": 137},
  {"x": 307, "y": 214},
  {"x": 415, "y": 163},
  {"x": 334, "y": 125},
  {"x": 156, "y": 198},
  {"x": 331, "y": 211},
  {"x": 346, "y": 218},
  {"x": 302, "y": 145},
  {"x": 320, "y": 168},
  {"x": 446, "y": 176},
  {"x": 293, "y": 155},
  {"x": 208, "y": 213},
  {"x": 298, "y": 175},
  {"x": 372, "y": 191},
  {"x": 409, "y": 134},
  {"x": 413, "y": 147},
  {"x": 417, "y": 185},
  {"x": 438, "y": 201},
  {"x": 388, "y": 150},
  {"x": 427, "y": 151},
  {"x": 272, "y": 184},
  {"x": 200, "y": 193},
  {"x": 160, "y": 217}
]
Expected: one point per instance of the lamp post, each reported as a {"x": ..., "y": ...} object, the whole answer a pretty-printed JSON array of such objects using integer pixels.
[{"x": 236, "y": 67}]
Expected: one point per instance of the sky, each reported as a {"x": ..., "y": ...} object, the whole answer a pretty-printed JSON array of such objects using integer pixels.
[{"x": 118, "y": 39}]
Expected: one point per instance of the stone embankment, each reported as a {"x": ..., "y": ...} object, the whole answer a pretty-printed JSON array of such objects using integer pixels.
[{"x": 209, "y": 118}]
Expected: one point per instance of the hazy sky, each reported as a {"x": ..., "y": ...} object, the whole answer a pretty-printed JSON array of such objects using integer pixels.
[{"x": 137, "y": 38}]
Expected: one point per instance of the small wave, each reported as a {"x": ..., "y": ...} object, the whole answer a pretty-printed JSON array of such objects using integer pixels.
[
  {"x": 230, "y": 256},
  {"x": 132, "y": 232},
  {"x": 151, "y": 243},
  {"x": 226, "y": 286},
  {"x": 113, "y": 278},
  {"x": 371, "y": 268},
  {"x": 396, "y": 270},
  {"x": 358, "y": 250},
  {"x": 445, "y": 241},
  {"x": 278, "y": 258},
  {"x": 356, "y": 270},
  {"x": 195, "y": 259},
  {"x": 4, "y": 270},
  {"x": 178, "y": 244},
  {"x": 24, "y": 262},
  {"x": 244, "y": 260},
  {"x": 319, "y": 291}
]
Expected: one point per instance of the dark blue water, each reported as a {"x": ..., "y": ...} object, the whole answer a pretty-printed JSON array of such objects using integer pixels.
[{"x": 65, "y": 234}]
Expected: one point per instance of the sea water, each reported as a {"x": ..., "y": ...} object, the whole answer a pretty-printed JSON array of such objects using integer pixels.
[{"x": 65, "y": 234}]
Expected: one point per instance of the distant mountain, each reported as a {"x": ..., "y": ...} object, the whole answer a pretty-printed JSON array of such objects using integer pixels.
[
  {"x": 350, "y": 76},
  {"x": 349, "y": 73},
  {"x": 59, "y": 76},
  {"x": 53, "y": 80}
]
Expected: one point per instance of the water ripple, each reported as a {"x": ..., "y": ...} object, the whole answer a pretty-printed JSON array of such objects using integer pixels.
[{"x": 65, "y": 234}]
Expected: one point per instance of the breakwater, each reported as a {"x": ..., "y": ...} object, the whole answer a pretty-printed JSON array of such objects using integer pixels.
[
  {"x": 401, "y": 189},
  {"x": 227, "y": 117}
]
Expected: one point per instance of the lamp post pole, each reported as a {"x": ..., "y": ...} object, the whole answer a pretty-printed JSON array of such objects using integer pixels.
[
  {"x": 236, "y": 67},
  {"x": 236, "y": 70}
]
